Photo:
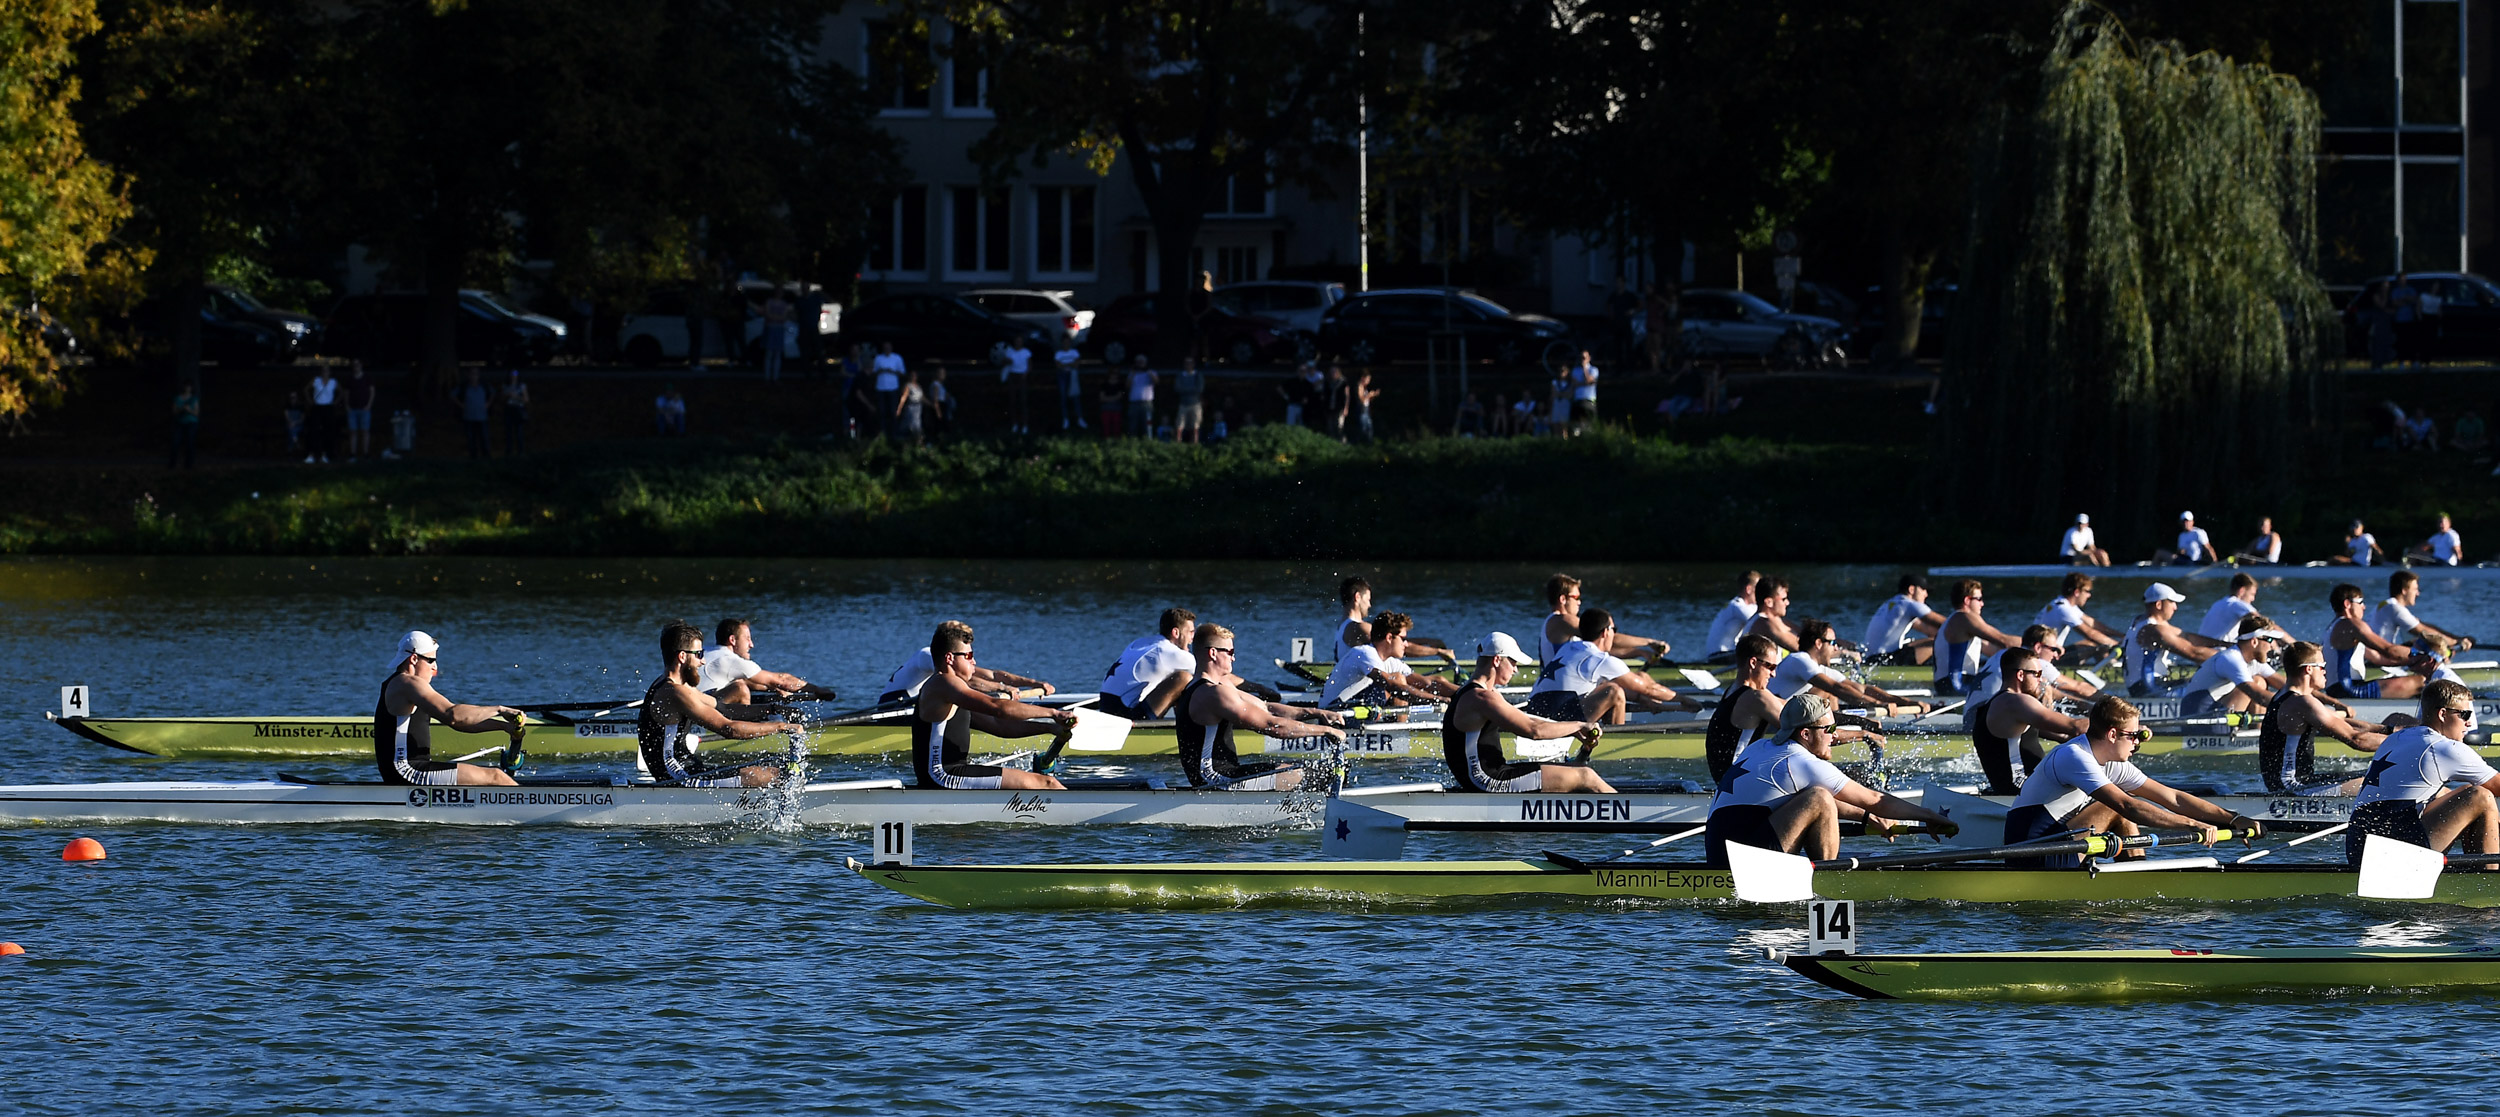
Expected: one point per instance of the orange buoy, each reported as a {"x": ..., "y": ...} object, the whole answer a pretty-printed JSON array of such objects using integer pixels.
[
  {"x": 83, "y": 849},
  {"x": 9, "y": 948}
]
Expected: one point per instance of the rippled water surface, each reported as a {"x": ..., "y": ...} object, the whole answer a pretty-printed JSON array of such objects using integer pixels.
[{"x": 370, "y": 969}]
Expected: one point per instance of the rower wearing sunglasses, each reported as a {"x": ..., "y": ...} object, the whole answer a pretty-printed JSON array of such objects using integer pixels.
[
  {"x": 1785, "y": 793},
  {"x": 2092, "y": 783},
  {"x": 2006, "y": 727},
  {"x": 1963, "y": 640},
  {"x": 2236, "y": 678},
  {"x": 1811, "y": 666},
  {"x": 2287, "y": 740},
  {"x": 402, "y": 742},
  {"x": 953, "y": 704},
  {"x": 2405, "y": 794},
  {"x": 676, "y": 712},
  {"x": 1209, "y": 708},
  {"x": 1472, "y": 729}
]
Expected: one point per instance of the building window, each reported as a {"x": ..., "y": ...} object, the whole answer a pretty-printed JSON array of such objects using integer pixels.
[
  {"x": 901, "y": 245},
  {"x": 967, "y": 75},
  {"x": 1063, "y": 230},
  {"x": 1245, "y": 194},
  {"x": 895, "y": 86},
  {"x": 976, "y": 232},
  {"x": 1231, "y": 263}
]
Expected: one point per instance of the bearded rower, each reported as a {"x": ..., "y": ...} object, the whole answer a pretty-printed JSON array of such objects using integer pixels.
[
  {"x": 2065, "y": 614},
  {"x": 2234, "y": 679},
  {"x": 2287, "y": 739},
  {"x": 1961, "y": 640},
  {"x": 1732, "y": 619},
  {"x": 1355, "y": 596},
  {"x": 2153, "y": 644},
  {"x": 1585, "y": 682},
  {"x": 402, "y": 741},
  {"x": 952, "y": 705},
  {"x": 1786, "y": 794},
  {"x": 1472, "y": 729},
  {"x": 1374, "y": 674},
  {"x": 2090, "y": 783},
  {"x": 1562, "y": 626},
  {"x": 2006, "y": 727},
  {"x": 2405, "y": 795},
  {"x": 1810, "y": 666},
  {"x": 1748, "y": 711},
  {"x": 2395, "y": 621},
  {"x": 1152, "y": 670},
  {"x": 1212, "y": 705},
  {"x": 2225, "y": 616},
  {"x": 676, "y": 711},
  {"x": 1903, "y": 629},
  {"x": 2356, "y": 648}
]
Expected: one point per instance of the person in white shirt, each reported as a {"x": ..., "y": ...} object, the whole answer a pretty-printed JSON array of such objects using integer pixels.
[
  {"x": 907, "y": 680},
  {"x": 1152, "y": 670},
  {"x": 731, "y": 675},
  {"x": 2077, "y": 546},
  {"x": 1730, "y": 624},
  {"x": 2396, "y": 623},
  {"x": 1889, "y": 632},
  {"x": 2091, "y": 783},
  {"x": 1810, "y": 666},
  {"x": 2444, "y": 547},
  {"x": 1585, "y": 682},
  {"x": 2360, "y": 548},
  {"x": 888, "y": 365},
  {"x": 2041, "y": 641},
  {"x": 2266, "y": 548},
  {"x": 1583, "y": 395},
  {"x": 1071, "y": 386},
  {"x": 2224, "y": 618},
  {"x": 2065, "y": 614},
  {"x": 1141, "y": 398},
  {"x": 2354, "y": 648},
  {"x": 2192, "y": 547},
  {"x": 2404, "y": 795},
  {"x": 2153, "y": 641},
  {"x": 2236, "y": 678},
  {"x": 1018, "y": 368},
  {"x": 1372, "y": 674},
  {"x": 1784, "y": 793}
]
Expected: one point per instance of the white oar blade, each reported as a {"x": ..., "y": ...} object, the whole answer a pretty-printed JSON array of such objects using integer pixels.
[
  {"x": 1097, "y": 731},
  {"x": 2398, "y": 870},
  {"x": 1701, "y": 680},
  {"x": 1767, "y": 876},
  {"x": 1360, "y": 833},
  {"x": 1982, "y": 820}
]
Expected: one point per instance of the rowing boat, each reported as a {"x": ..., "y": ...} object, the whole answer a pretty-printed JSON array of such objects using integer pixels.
[
  {"x": 2260, "y": 571},
  {"x": 1222, "y": 884},
  {"x": 2087, "y": 975}
]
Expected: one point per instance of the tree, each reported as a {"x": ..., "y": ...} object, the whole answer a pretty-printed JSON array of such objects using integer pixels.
[{"x": 58, "y": 206}]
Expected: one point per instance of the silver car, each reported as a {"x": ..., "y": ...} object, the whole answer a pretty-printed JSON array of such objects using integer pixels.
[
  {"x": 1061, "y": 318},
  {"x": 1725, "y": 323},
  {"x": 1296, "y": 303}
]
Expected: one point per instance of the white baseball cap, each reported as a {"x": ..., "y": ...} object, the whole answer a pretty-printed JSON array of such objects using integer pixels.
[
  {"x": 2161, "y": 591},
  {"x": 2082, "y": 518},
  {"x": 1500, "y": 643},
  {"x": 2275, "y": 634},
  {"x": 415, "y": 643},
  {"x": 2187, "y": 515}
]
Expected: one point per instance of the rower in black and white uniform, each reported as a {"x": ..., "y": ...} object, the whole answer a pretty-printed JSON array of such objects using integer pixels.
[
  {"x": 1903, "y": 629},
  {"x": 1212, "y": 704},
  {"x": 1964, "y": 641},
  {"x": 676, "y": 712},
  {"x": 1354, "y": 595},
  {"x": 906, "y": 681},
  {"x": 1785, "y": 794},
  {"x": 2006, "y": 727},
  {"x": 2352, "y": 648},
  {"x": 1748, "y": 712},
  {"x": 1151, "y": 671},
  {"x": 1563, "y": 625},
  {"x": 1585, "y": 682},
  {"x": 2405, "y": 794},
  {"x": 2287, "y": 753},
  {"x": 2091, "y": 783},
  {"x": 952, "y": 705},
  {"x": 1472, "y": 729},
  {"x": 1730, "y": 624},
  {"x": 2236, "y": 678},
  {"x": 402, "y": 741},
  {"x": 1811, "y": 666},
  {"x": 2154, "y": 644},
  {"x": 1376, "y": 674}
]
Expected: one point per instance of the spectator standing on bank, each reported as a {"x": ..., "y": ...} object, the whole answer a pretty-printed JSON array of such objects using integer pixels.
[
  {"x": 1583, "y": 395},
  {"x": 321, "y": 416},
  {"x": 1189, "y": 396},
  {"x": 1016, "y": 373},
  {"x": 776, "y": 333},
  {"x": 294, "y": 423},
  {"x": 669, "y": 410},
  {"x": 1071, "y": 385},
  {"x": 186, "y": 451},
  {"x": 1141, "y": 398},
  {"x": 940, "y": 403},
  {"x": 516, "y": 416},
  {"x": 1297, "y": 392},
  {"x": 1219, "y": 427},
  {"x": 889, "y": 369},
  {"x": 471, "y": 397},
  {"x": 909, "y": 403},
  {"x": 1362, "y": 397},
  {"x": 1470, "y": 420},
  {"x": 359, "y": 392},
  {"x": 859, "y": 402},
  {"x": 2405, "y": 303},
  {"x": 2378, "y": 324},
  {"x": 1108, "y": 400},
  {"x": 1336, "y": 397}
]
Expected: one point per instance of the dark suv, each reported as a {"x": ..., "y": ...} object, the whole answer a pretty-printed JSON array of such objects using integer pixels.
[
  {"x": 929, "y": 326},
  {"x": 1399, "y": 323},
  {"x": 387, "y": 330},
  {"x": 2459, "y": 315}
]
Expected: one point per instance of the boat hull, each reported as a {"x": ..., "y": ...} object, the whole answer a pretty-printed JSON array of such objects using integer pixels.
[{"x": 2104, "y": 975}]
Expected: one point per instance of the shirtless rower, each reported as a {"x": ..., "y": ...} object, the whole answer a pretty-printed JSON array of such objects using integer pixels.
[
  {"x": 2405, "y": 794},
  {"x": 2353, "y": 648},
  {"x": 1375, "y": 673},
  {"x": 1785, "y": 794},
  {"x": 2006, "y": 727},
  {"x": 676, "y": 712},
  {"x": 2360, "y": 548},
  {"x": 2090, "y": 783},
  {"x": 2192, "y": 547},
  {"x": 1748, "y": 712},
  {"x": 2287, "y": 751},
  {"x": 1585, "y": 682},
  {"x": 402, "y": 741},
  {"x": 2065, "y": 614},
  {"x": 1963, "y": 639},
  {"x": 2443, "y": 548},
  {"x": 1472, "y": 729},
  {"x": 1152, "y": 670},
  {"x": 731, "y": 674},
  {"x": 2077, "y": 547},
  {"x": 952, "y": 705},
  {"x": 2153, "y": 644},
  {"x": 1893, "y": 633},
  {"x": 1212, "y": 706},
  {"x": 1770, "y": 620},
  {"x": 2266, "y": 548},
  {"x": 2395, "y": 621},
  {"x": 1355, "y": 594},
  {"x": 1811, "y": 666},
  {"x": 1732, "y": 619},
  {"x": 2225, "y": 616},
  {"x": 2235, "y": 678},
  {"x": 1562, "y": 626},
  {"x": 906, "y": 681}
]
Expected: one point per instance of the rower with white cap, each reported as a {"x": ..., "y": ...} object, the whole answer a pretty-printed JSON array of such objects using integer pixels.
[
  {"x": 2153, "y": 641},
  {"x": 402, "y": 742},
  {"x": 2193, "y": 547},
  {"x": 2236, "y": 678},
  {"x": 1784, "y": 792},
  {"x": 1472, "y": 728},
  {"x": 2360, "y": 548},
  {"x": 2077, "y": 547}
]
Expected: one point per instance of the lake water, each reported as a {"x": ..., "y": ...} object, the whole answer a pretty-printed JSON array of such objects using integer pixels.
[{"x": 360, "y": 969}]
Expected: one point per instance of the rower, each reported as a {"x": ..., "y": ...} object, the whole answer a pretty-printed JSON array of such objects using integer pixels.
[
  {"x": 2090, "y": 783},
  {"x": 2402, "y": 795},
  {"x": 2360, "y": 548},
  {"x": 1732, "y": 619},
  {"x": 2287, "y": 739},
  {"x": 2444, "y": 547},
  {"x": 2267, "y": 548},
  {"x": 1355, "y": 594},
  {"x": 2065, "y": 614},
  {"x": 1585, "y": 682},
  {"x": 905, "y": 683},
  {"x": 1958, "y": 641},
  {"x": 951, "y": 706},
  {"x": 1152, "y": 670},
  {"x": 2076, "y": 547},
  {"x": 1212, "y": 706},
  {"x": 1785, "y": 793},
  {"x": 1889, "y": 634},
  {"x": 402, "y": 741},
  {"x": 2006, "y": 727},
  {"x": 1373, "y": 674},
  {"x": 2192, "y": 546},
  {"x": 2041, "y": 641},
  {"x": 1562, "y": 626},
  {"x": 731, "y": 674},
  {"x": 2357, "y": 649},
  {"x": 1810, "y": 666},
  {"x": 2395, "y": 621},
  {"x": 2234, "y": 678},
  {"x": 676, "y": 712},
  {"x": 2225, "y": 616},
  {"x": 2152, "y": 642},
  {"x": 1471, "y": 732},
  {"x": 1748, "y": 711},
  {"x": 1770, "y": 621}
]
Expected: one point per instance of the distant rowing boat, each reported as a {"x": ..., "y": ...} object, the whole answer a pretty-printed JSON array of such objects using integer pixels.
[
  {"x": 2361, "y": 575},
  {"x": 2080, "y": 975}
]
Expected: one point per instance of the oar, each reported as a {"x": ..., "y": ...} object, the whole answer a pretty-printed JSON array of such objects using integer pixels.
[
  {"x": 2395, "y": 869},
  {"x": 1769, "y": 876},
  {"x": 878, "y": 712},
  {"x": 2305, "y": 839},
  {"x": 559, "y": 707},
  {"x": 1583, "y": 866}
]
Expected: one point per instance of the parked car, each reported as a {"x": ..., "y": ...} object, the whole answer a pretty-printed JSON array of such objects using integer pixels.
[
  {"x": 1719, "y": 322},
  {"x": 1399, "y": 324},
  {"x": 1128, "y": 327},
  {"x": 657, "y": 331},
  {"x": 926, "y": 326},
  {"x": 2460, "y": 317},
  {"x": 226, "y": 339},
  {"x": 497, "y": 303},
  {"x": 236, "y": 304},
  {"x": 1296, "y": 303},
  {"x": 1935, "y": 316},
  {"x": 1058, "y": 314},
  {"x": 384, "y": 330}
]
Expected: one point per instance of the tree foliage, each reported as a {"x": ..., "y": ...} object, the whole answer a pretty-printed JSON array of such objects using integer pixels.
[{"x": 58, "y": 205}]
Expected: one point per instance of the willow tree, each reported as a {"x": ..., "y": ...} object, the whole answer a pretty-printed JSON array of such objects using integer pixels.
[
  {"x": 57, "y": 205},
  {"x": 2140, "y": 325}
]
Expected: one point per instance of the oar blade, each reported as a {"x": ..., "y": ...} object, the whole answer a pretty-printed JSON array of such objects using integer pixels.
[
  {"x": 1982, "y": 820},
  {"x": 1097, "y": 731},
  {"x": 1359, "y": 833},
  {"x": 2392, "y": 869},
  {"x": 1767, "y": 876}
]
